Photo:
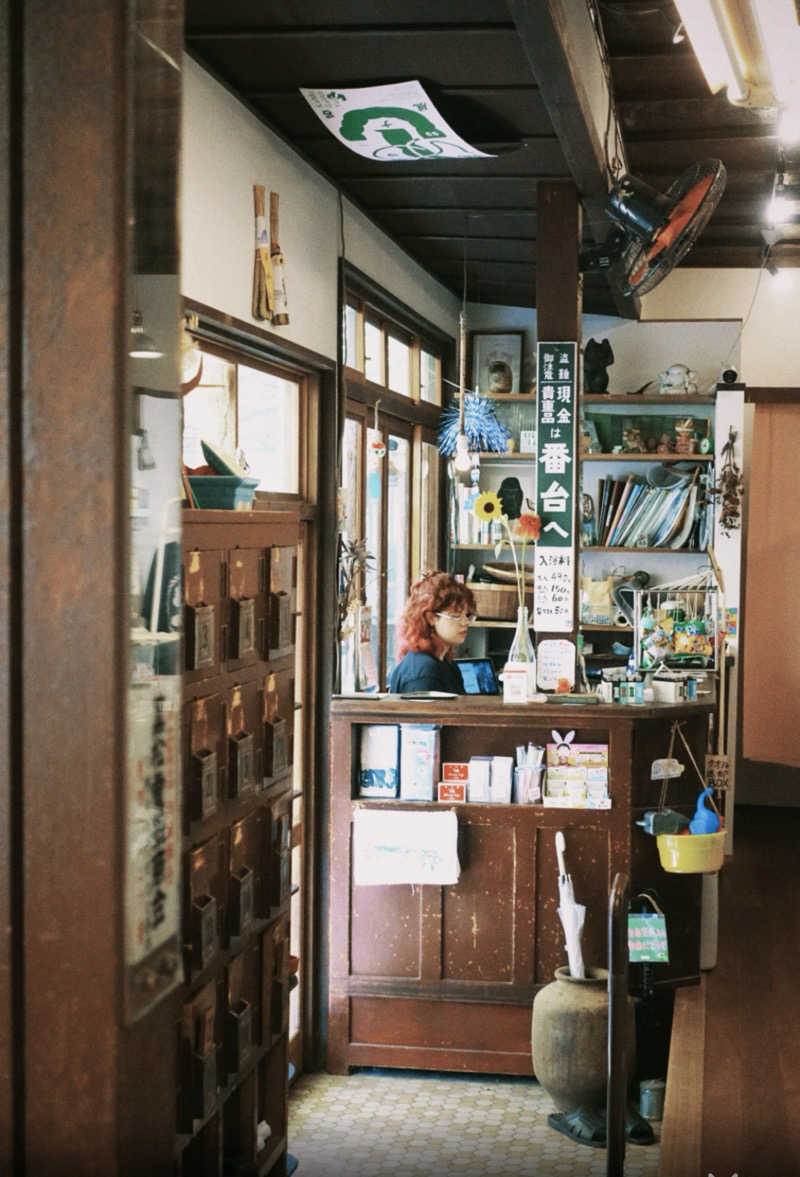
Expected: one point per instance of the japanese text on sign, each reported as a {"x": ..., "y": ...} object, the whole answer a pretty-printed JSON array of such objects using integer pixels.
[
  {"x": 152, "y": 911},
  {"x": 555, "y": 486}
]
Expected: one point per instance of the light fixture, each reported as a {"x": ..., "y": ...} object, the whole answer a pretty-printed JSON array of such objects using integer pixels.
[
  {"x": 142, "y": 346},
  {"x": 679, "y": 36},
  {"x": 461, "y": 457},
  {"x": 752, "y": 48}
]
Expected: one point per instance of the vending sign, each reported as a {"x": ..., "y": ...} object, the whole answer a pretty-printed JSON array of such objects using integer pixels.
[{"x": 554, "y": 597}]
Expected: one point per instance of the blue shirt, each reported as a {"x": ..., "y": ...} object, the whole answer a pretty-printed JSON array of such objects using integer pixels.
[{"x": 423, "y": 672}]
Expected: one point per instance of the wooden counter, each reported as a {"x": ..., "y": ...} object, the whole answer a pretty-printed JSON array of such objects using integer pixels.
[{"x": 444, "y": 977}]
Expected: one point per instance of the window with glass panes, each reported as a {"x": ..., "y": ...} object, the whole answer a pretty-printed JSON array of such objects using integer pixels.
[{"x": 390, "y": 466}]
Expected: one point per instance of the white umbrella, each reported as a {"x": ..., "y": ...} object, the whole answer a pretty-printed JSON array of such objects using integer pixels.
[{"x": 570, "y": 913}]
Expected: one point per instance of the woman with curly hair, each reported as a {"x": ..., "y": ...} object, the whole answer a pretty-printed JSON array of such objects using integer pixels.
[{"x": 436, "y": 617}]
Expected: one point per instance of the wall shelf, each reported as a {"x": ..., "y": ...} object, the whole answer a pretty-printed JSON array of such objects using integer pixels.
[
  {"x": 637, "y": 398},
  {"x": 634, "y": 457}
]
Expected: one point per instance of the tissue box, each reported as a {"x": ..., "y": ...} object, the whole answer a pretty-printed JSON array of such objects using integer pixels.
[{"x": 419, "y": 761}]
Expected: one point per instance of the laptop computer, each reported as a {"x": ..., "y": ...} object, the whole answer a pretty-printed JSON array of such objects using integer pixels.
[{"x": 478, "y": 676}]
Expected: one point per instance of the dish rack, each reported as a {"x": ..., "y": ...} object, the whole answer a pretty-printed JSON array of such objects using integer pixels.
[{"x": 676, "y": 625}]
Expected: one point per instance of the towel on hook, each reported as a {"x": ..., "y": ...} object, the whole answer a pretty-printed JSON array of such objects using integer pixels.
[{"x": 405, "y": 846}]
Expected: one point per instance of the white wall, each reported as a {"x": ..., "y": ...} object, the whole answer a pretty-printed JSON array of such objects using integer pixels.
[
  {"x": 641, "y": 350},
  {"x": 767, "y": 357},
  {"x": 226, "y": 150}
]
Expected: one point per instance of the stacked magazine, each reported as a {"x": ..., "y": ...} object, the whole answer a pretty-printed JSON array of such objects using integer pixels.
[{"x": 632, "y": 514}]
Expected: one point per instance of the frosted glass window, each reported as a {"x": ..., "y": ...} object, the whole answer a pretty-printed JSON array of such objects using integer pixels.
[
  {"x": 351, "y": 479},
  {"x": 373, "y": 352},
  {"x": 430, "y": 388},
  {"x": 269, "y": 407},
  {"x": 399, "y": 366},
  {"x": 350, "y": 337},
  {"x": 429, "y": 507},
  {"x": 209, "y": 411},
  {"x": 398, "y": 528},
  {"x": 374, "y": 484}
]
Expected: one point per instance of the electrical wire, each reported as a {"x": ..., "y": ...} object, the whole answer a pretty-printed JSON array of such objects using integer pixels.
[{"x": 614, "y": 165}]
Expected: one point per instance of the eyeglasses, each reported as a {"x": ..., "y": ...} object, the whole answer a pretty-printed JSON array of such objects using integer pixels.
[{"x": 470, "y": 618}]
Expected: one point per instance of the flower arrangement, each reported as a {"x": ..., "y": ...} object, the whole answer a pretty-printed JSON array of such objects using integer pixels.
[{"x": 488, "y": 508}]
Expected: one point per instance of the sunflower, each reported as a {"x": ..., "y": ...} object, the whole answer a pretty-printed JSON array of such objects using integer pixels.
[
  {"x": 528, "y": 527},
  {"x": 487, "y": 506}
]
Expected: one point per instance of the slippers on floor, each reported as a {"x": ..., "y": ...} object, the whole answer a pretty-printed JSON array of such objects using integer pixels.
[
  {"x": 588, "y": 1126},
  {"x": 584, "y": 1126},
  {"x": 637, "y": 1128}
]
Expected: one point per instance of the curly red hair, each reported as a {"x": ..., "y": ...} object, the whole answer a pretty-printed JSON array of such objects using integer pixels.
[{"x": 434, "y": 592}]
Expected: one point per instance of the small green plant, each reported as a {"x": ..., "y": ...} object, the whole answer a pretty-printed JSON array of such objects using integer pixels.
[{"x": 354, "y": 562}]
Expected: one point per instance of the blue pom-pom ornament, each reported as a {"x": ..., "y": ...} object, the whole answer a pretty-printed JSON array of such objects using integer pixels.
[{"x": 483, "y": 431}]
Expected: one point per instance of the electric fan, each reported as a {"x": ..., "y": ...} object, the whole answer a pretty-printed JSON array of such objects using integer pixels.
[{"x": 654, "y": 231}]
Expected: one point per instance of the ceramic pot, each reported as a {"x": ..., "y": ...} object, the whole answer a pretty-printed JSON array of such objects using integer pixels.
[{"x": 569, "y": 1038}]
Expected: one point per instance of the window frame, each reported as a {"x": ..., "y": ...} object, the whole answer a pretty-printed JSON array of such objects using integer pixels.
[
  {"x": 402, "y": 415},
  {"x": 308, "y": 395}
]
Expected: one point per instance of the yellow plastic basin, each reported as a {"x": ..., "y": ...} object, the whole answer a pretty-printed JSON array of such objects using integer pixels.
[{"x": 687, "y": 854}]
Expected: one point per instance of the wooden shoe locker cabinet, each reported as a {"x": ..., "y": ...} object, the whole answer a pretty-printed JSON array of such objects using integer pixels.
[{"x": 240, "y": 587}]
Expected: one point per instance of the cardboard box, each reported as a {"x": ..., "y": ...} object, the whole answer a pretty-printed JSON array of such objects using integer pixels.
[
  {"x": 452, "y": 791},
  {"x": 378, "y": 775},
  {"x": 480, "y": 778},
  {"x": 455, "y": 770}
]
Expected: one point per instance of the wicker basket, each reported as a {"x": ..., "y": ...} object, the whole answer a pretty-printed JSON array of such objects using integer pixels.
[{"x": 498, "y": 602}]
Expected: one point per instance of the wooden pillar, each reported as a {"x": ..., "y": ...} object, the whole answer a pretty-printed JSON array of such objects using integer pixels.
[
  {"x": 7, "y": 543},
  {"x": 559, "y": 305},
  {"x": 81, "y": 1092},
  {"x": 559, "y": 302}
]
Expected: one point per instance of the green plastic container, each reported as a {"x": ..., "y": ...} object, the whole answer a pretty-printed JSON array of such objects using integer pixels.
[{"x": 225, "y": 491}]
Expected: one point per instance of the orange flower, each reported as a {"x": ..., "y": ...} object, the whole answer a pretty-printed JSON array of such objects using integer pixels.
[{"x": 529, "y": 527}]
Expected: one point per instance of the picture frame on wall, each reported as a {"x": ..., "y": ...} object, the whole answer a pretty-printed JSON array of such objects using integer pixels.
[{"x": 496, "y": 362}]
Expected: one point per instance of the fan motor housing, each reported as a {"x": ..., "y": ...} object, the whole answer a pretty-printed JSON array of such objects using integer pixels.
[{"x": 635, "y": 206}]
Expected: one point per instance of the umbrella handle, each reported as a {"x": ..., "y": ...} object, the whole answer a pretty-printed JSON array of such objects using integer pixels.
[{"x": 560, "y": 847}]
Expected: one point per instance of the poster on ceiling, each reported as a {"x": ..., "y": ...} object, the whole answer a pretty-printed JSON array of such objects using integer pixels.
[{"x": 388, "y": 123}]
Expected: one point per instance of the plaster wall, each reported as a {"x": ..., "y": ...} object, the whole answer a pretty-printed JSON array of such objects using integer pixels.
[
  {"x": 768, "y": 307},
  {"x": 226, "y": 150}
]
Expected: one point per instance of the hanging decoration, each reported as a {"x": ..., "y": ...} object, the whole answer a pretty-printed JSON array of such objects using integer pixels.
[
  {"x": 263, "y": 289},
  {"x": 270, "y": 303},
  {"x": 397, "y": 121},
  {"x": 479, "y": 424},
  {"x": 378, "y": 445},
  {"x": 729, "y": 487},
  {"x": 280, "y": 311}
]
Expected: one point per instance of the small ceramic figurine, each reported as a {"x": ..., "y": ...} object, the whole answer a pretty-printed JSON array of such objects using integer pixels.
[
  {"x": 678, "y": 379},
  {"x": 632, "y": 441},
  {"x": 685, "y": 440}
]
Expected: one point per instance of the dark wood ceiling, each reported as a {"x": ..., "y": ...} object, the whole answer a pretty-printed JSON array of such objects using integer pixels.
[{"x": 498, "y": 72}]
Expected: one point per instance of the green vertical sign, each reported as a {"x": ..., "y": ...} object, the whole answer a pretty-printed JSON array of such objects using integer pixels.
[{"x": 556, "y": 412}]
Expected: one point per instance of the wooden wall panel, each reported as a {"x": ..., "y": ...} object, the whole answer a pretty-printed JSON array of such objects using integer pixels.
[
  {"x": 10, "y": 358},
  {"x": 478, "y": 917},
  {"x": 450, "y": 1025},
  {"x": 771, "y": 647},
  {"x": 588, "y": 857},
  {"x": 386, "y": 931}
]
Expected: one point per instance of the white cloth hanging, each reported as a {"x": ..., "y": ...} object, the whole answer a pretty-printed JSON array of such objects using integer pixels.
[{"x": 405, "y": 846}]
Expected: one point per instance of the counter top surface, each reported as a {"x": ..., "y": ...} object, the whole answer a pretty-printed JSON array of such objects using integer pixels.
[{"x": 491, "y": 708}]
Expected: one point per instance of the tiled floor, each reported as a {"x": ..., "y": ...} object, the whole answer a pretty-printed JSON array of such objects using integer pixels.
[{"x": 419, "y": 1124}]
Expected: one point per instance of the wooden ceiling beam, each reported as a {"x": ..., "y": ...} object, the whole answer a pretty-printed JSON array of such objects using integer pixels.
[
  {"x": 568, "y": 80},
  {"x": 344, "y": 32}
]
